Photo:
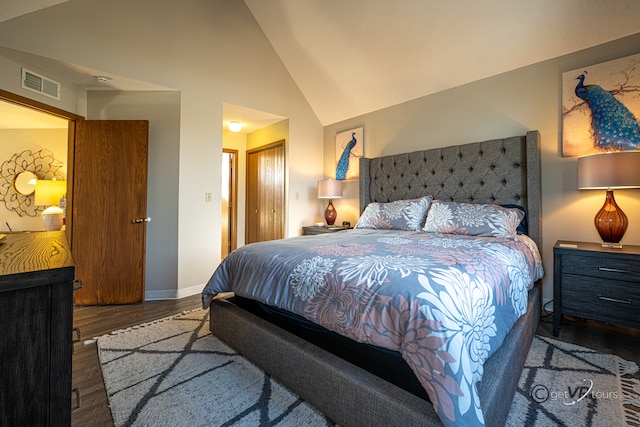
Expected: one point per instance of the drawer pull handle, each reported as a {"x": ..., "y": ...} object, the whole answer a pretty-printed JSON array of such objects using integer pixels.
[
  {"x": 77, "y": 332},
  {"x": 77, "y": 284},
  {"x": 75, "y": 341},
  {"x": 614, "y": 270},
  {"x": 76, "y": 392},
  {"x": 622, "y": 301}
]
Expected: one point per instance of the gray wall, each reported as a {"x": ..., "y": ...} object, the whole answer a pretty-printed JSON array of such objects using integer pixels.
[{"x": 504, "y": 105}]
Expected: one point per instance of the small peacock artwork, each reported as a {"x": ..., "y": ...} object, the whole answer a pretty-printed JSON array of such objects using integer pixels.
[
  {"x": 343, "y": 162},
  {"x": 348, "y": 150},
  {"x": 600, "y": 115}
]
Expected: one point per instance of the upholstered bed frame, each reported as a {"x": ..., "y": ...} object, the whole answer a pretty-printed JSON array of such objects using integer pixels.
[{"x": 502, "y": 171}]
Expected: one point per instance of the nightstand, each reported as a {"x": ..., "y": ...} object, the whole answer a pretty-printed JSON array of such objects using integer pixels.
[
  {"x": 596, "y": 283},
  {"x": 315, "y": 229}
]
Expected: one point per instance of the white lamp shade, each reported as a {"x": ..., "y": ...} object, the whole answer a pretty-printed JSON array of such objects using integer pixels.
[
  {"x": 620, "y": 169},
  {"x": 329, "y": 189}
]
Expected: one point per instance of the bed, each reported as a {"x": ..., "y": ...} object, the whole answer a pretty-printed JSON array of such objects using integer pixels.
[{"x": 413, "y": 325}]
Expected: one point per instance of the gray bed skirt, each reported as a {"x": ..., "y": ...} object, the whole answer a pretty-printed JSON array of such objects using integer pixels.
[{"x": 351, "y": 396}]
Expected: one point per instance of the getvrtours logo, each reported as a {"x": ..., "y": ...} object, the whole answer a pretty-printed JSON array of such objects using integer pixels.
[{"x": 572, "y": 395}]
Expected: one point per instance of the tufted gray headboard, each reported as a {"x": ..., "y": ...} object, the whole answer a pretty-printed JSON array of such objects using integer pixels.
[{"x": 500, "y": 171}]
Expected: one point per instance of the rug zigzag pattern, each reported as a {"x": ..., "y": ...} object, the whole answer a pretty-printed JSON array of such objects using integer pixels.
[
  {"x": 567, "y": 385},
  {"x": 173, "y": 368},
  {"x": 173, "y": 372}
]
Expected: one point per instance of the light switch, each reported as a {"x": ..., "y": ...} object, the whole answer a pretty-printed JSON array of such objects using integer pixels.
[{"x": 208, "y": 197}]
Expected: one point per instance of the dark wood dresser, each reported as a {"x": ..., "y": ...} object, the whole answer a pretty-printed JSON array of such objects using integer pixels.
[
  {"x": 596, "y": 283},
  {"x": 36, "y": 314}
]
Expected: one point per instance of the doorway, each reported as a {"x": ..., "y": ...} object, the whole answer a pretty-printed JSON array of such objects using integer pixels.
[
  {"x": 258, "y": 129},
  {"x": 20, "y": 114},
  {"x": 229, "y": 201},
  {"x": 86, "y": 252}
]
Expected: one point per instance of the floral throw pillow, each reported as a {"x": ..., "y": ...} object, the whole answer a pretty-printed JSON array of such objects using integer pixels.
[
  {"x": 473, "y": 219},
  {"x": 399, "y": 215}
]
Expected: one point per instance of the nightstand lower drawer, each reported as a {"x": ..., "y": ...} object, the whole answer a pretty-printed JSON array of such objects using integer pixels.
[{"x": 605, "y": 300}]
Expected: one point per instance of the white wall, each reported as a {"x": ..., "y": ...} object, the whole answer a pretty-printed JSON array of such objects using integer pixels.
[
  {"x": 72, "y": 99},
  {"x": 212, "y": 52},
  {"x": 500, "y": 106}
]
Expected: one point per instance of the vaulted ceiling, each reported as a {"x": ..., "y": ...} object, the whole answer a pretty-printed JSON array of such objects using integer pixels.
[{"x": 351, "y": 57}]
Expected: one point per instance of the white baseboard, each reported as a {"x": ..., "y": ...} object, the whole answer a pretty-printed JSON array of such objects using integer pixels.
[{"x": 173, "y": 293}]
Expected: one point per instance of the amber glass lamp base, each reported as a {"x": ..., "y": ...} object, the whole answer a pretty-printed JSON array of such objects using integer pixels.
[
  {"x": 611, "y": 222},
  {"x": 330, "y": 214}
]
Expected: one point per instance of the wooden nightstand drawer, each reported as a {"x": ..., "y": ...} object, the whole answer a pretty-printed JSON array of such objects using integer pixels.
[
  {"x": 596, "y": 283},
  {"x": 614, "y": 268},
  {"x": 608, "y": 301}
]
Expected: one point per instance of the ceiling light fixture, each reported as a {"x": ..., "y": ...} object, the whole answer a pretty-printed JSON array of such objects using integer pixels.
[
  {"x": 103, "y": 79},
  {"x": 234, "y": 126}
]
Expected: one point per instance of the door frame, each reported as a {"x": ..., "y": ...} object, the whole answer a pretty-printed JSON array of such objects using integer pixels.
[{"x": 233, "y": 196}]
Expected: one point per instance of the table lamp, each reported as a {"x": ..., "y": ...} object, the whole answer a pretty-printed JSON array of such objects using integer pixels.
[
  {"x": 620, "y": 169},
  {"x": 48, "y": 193},
  {"x": 330, "y": 189}
]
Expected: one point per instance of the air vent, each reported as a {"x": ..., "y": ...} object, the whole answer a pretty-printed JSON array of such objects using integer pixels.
[{"x": 37, "y": 83}]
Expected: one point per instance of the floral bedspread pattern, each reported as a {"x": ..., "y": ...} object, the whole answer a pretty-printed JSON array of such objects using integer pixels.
[{"x": 444, "y": 302}]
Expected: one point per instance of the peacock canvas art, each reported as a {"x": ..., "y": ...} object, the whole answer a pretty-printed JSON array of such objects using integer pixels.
[
  {"x": 601, "y": 107},
  {"x": 349, "y": 148}
]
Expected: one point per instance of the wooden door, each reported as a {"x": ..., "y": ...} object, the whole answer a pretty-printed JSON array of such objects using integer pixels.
[
  {"x": 265, "y": 193},
  {"x": 109, "y": 210}
]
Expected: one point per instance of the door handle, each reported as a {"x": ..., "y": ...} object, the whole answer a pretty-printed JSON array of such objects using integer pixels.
[{"x": 141, "y": 220}]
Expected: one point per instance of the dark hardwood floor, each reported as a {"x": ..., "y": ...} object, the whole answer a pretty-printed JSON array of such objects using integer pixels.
[
  {"x": 99, "y": 320},
  {"x": 604, "y": 337},
  {"x": 95, "y": 321}
]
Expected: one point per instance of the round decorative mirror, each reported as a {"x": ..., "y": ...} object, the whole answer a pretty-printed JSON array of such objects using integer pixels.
[{"x": 25, "y": 183}]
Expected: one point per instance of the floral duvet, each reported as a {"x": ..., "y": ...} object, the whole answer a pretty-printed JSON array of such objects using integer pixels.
[{"x": 445, "y": 302}]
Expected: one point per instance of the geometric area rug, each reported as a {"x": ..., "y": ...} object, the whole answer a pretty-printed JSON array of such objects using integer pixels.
[
  {"x": 174, "y": 372},
  {"x": 567, "y": 385}
]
